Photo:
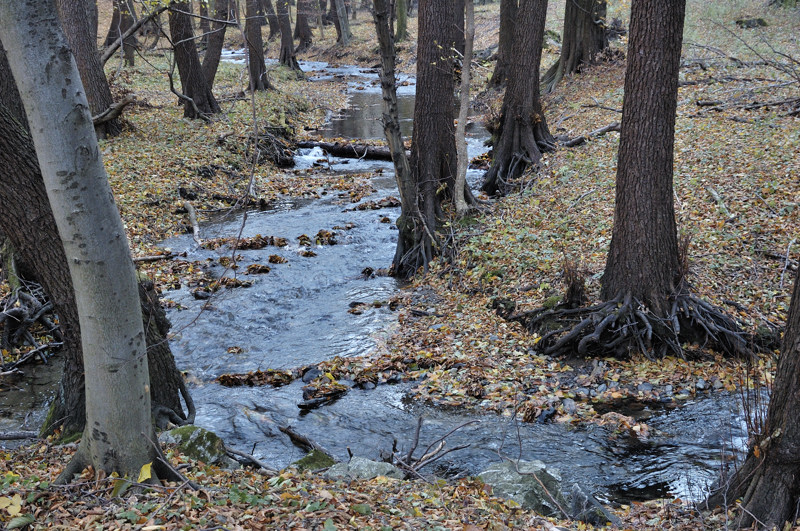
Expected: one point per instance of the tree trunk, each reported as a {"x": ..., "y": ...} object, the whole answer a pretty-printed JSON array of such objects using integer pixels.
[
  {"x": 768, "y": 483},
  {"x": 129, "y": 43},
  {"x": 463, "y": 195},
  {"x": 255, "y": 48},
  {"x": 272, "y": 19},
  {"x": 341, "y": 22},
  {"x": 584, "y": 39},
  {"x": 113, "y": 30},
  {"x": 91, "y": 231},
  {"x": 287, "y": 56},
  {"x": 200, "y": 102},
  {"x": 508, "y": 15},
  {"x": 205, "y": 24},
  {"x": 433, "y": 151},
  {"x": 523, "y": 129},
  {"x": 79, "y": 20},
  {"x": 458, "y": 27},
  {"x": 643, "y": 256},
  {"x": 31, "y": 228},
  {"x": 216, "y": 41},
  {"x": 302, "y": 31},
  {"x": 401, "y": 14}
]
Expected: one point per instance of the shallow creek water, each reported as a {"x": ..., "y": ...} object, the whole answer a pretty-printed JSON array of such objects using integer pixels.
[{"x": 297, "y": 315}]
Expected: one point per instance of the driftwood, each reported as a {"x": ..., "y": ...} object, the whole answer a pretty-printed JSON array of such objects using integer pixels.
[
  {"x": 18, "y": 435},
  {"x": 350, "y": 151},
  {"x": 302, "y": 441}
]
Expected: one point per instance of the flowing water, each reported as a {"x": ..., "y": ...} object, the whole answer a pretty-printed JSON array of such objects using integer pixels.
[{"x": 297, "y": 315}]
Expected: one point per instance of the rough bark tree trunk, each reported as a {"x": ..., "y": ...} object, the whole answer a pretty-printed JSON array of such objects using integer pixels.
[
  {"x": 205, "y": 23},
  {"x": 768, "y": 483},
  {"x": 302, "y": 30},
  {"x": 643, "y": 255},
  {"x": 113, "y": 30},
  {"x": 91, "y": 231},
  {"x": 458, "y": 27},
  {"x": 255, "y": 48},
  {"x": 583, "y": 40},
  {"x": 287, "y": 56},
  {"x": 523, "y": 132},
  {"x": 340, "y": 20},
  {"x": 401, "y": 14},
  {"x": 216, "y": 41},
  {"x": 201, "y": 102},
  {"x": 272, "y": 19},
  {"x": 79, "y": 20},
  {"x": 433, "y": 151},
  {"x": 508, "y": 14}
]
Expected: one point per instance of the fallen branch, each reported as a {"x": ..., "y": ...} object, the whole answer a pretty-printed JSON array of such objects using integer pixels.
[
  {"x": 113, "y": 111},
  {"x": 18, "y": 435},
  {"x": 577, "y": 141},
  {"x": 154, "y": 258},
  {"x": 249, "y": 459},
  {"x": 302, "y": 441},
  {"x": 351, "y": 151}
]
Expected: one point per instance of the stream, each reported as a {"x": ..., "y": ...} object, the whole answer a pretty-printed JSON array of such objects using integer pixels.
[{"x": 297, "y": 315}]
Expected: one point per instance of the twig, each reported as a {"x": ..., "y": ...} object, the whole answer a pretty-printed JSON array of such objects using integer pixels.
[
  {"x": 267, "y": 470},
  {"x": 786, "y": 260},
  {"x": 577, "y": 141}
]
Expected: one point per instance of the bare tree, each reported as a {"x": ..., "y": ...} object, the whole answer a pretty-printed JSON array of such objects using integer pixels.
[{"x": 90, "y": 228}]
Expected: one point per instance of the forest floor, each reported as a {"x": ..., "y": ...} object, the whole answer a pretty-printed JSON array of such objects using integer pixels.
[{"x": 737, "y": 158}]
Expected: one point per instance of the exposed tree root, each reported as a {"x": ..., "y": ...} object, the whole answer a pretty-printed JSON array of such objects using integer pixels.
[{"x": 624, "y": 325}]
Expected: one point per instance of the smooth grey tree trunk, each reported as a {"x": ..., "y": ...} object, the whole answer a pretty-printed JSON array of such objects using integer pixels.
[{"x": 89, "y": 224}]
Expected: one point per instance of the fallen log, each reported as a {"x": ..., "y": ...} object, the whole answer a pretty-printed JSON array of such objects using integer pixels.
[{"x": 350, "y": 151}]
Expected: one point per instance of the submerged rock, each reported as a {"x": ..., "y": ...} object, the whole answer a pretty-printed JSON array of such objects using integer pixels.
[
  {"x": 362, "y": 468},
  {"x": 200, "y": 444},
  {"x": 521, "y": 483}
]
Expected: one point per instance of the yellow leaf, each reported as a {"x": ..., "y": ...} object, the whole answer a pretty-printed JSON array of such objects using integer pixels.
[
  {"x": 145, "y": 473},
  {"x": 4, "y": 502},
  {"x": 757, "y": 452}
]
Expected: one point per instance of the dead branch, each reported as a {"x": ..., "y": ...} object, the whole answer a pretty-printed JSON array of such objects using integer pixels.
[
  {"x": 302, "y": 441},
  {"x": 114, "y": 110},
  {"x": 113, "y": 47},
  {"x": 435, "y": 451},
  {"x": 577, "y": 141},
  {"x": 250, "y": 460},
  {"x": 18, "y": 435},
  {"x": 154, "y": 258}
]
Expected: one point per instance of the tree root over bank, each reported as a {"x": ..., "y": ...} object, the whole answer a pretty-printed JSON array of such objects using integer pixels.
[{"x": 624, "y": 325}]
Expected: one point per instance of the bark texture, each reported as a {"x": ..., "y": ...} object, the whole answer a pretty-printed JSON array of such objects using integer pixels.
[
  {"x": 272, "y": 19},
  {"x": 199, "y": 102},
  {"x": 768, "y": 483},
  {"x": 255, "y": 48},
  {"x": 523, "y": 132},
  {"x": 287, "y": 56},
  {"x": 341, "y": 22},
  {"x": 302, "y": 30},
  {"x": 79, "y": 20},
  {"x": 583, "y": 40},
  {"x": 643, "y": 256},
  {"x": 216, "y": 40},
  {"x": 433, "y": 151},
  {"x": 508, "y": 14}
]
